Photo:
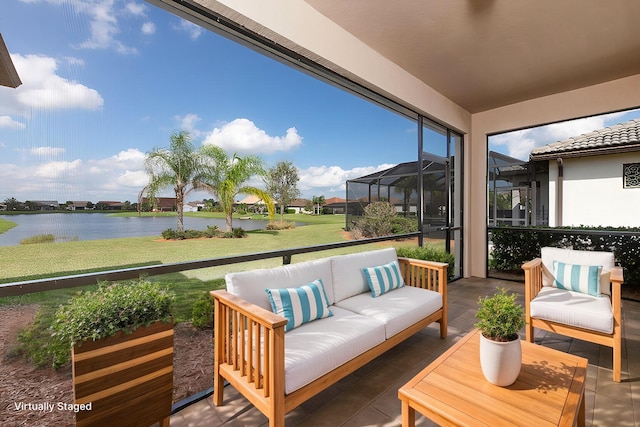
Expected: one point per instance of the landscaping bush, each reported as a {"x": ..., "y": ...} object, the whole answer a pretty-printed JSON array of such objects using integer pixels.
[
  {"x": 40, "y": 238},
  {"x": 377, "y": 220},
  {"x": 280, "y": 225},
  {"x": 403, "y": 225},
  {"x": 202, "y": 313},
  {"x": 429, "y": 253}
]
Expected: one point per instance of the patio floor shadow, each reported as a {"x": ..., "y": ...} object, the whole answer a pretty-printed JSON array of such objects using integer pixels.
[{"x": 369, "y": 397}]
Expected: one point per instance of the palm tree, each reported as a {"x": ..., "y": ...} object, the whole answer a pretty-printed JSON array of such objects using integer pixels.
[
  {"x": 319, "y": 201},
  {"x": 178, "y": 167},
  {"x": 226, "y": 177}
]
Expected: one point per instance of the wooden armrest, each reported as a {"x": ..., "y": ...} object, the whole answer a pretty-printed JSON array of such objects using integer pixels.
[
  {"x": 532, "y": 280},
  {"x": 617, "y": 275},
  {"x": 424, "y": 274},
  {"x": 264, "y": 317}
]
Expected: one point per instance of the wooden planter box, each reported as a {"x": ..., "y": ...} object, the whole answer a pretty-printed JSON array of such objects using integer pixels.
[{"x": 125, "y": 379}]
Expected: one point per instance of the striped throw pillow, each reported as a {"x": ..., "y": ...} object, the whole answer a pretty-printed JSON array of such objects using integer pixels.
[
  {"x": 577, "y": 278},
  {"x": 383, "y": 278},
  {"x": 300, "y": 305}
]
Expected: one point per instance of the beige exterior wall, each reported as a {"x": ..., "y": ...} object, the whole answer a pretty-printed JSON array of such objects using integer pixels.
[
  {"x": 593, "y": 193},
  {"x": 299, "y": 27}
]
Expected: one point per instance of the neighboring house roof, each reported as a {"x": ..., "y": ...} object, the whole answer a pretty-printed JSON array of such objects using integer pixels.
[
  {"x": 299, "y": 203},
  {"x": 335, "y": 200},
  {"x": 251, "y": 200},
  {"x": 621, "y": 138},
  {"x": 79, "y": 204},
  {"x": 8, "y": 74}
]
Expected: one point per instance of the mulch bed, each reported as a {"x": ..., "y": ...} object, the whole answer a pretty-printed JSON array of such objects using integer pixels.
[{"x": 21, "y": 382}]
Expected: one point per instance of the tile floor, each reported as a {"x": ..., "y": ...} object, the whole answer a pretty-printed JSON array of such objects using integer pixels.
[{"x": 369, "y": 397}]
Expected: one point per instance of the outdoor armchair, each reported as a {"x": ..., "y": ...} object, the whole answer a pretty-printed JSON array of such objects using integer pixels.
[{"x": 576, "y": 294}]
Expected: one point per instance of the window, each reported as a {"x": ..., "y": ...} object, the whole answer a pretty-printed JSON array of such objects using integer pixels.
[{"x": 631, "y": 175}]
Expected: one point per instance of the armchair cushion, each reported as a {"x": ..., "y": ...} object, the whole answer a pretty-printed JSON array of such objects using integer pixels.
[
  {"x": 570, "y": 256},
  {"x": 573, "y": 309},
  {"x": 578, "y": 278}
]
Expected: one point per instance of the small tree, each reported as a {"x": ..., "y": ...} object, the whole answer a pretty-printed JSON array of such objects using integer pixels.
[
  {"x": 318, "y": 201},
  {"x": 177, "y": 167},
  {"x": 282, "y": 183},
  {"x": 225, "y": 177}
]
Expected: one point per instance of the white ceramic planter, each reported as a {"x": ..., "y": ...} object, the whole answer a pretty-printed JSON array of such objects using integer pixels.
[{"x": 500, "y": 361}]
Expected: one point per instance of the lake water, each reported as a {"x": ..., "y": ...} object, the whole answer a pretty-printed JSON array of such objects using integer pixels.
[{"x": 95, "y": 226}]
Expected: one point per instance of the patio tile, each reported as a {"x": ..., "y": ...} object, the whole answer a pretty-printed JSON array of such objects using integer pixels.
[{"x": 369, "y": 397}]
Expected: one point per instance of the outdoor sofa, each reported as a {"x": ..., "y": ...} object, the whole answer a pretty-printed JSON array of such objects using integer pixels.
[{"x": 277, "y": 370}]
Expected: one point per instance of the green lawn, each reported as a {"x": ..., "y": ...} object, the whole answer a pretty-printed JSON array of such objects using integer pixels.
[
  {"x": 6, "y": 225},
  {"x": 27, "y": 262}
]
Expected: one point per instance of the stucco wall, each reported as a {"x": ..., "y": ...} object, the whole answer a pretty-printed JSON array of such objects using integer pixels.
[{"x": 593, "y": 193}]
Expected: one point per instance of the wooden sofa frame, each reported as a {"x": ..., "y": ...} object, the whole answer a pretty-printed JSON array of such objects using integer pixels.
[
  {"x": 533, "y": 284},
  {"x": 249, "y": 345}
]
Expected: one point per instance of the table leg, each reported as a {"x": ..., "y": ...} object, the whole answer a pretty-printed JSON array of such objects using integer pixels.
[
  {"x": 581, "y": 412},
  {"x": 408, "y": 415}
]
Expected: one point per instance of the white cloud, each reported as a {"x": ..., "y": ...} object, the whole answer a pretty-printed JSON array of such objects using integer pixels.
[
  {"x": 46, "y": 151},
  {"x": 194, "y": 31},
  {"x": 333, "y": 178},
  {"x": 7, "y": 122},
  {"x": 188, "y": 123},
  {"x": 242, "y": 135},
  {"x": 55, "y": 170},
  {"x": 148, "y": 28},
  {"x": 136, "y": 9},
  {"x": 42, "y": 88}
]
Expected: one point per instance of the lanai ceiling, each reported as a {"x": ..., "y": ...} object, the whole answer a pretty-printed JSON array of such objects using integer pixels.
[{"x": 483, "y": 54}]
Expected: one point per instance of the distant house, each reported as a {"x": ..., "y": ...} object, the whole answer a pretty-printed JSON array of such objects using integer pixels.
[
  {"x": 334, "y": 205},
  {"x": 78, "y": 205},
  {"x": 196, "y": 206},
  {"x": 45, "y": 205},
  {"x": 593, "y": 179},
  {"x": 110, "y": 205},
  {"x": 299, "y": 205},
  {"x": 253, "y": 203}
]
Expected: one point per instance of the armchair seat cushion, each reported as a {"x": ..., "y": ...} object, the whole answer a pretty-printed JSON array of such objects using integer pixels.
[{"x": 573, "y": 309}]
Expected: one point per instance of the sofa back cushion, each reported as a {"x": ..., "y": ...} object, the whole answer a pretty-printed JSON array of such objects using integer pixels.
[
  {"x": 250, "y": 285},
  {"x": 348, "y": 275},
  {"x": 575, "y": 257}
]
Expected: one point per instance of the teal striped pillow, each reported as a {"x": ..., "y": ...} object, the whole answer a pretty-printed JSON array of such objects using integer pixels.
[
  {"x": 383, "y": 278},
  {"x": 577, "y": 278},
  {"x": 300, "y": 305}
]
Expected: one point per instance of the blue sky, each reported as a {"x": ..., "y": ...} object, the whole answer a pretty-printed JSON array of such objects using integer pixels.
[{"x": 106, "y": 81}]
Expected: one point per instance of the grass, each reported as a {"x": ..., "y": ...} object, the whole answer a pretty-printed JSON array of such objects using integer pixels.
[
  {"x": 30, "y": 262},
  {"x": 6, "y": 225},
  {"x": 39, "y": 238}
]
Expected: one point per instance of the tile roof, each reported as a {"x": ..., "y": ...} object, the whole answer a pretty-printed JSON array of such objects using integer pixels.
[{"x": 623, "y": 137}]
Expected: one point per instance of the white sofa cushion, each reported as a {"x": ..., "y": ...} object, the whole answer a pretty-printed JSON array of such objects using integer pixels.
[
  {"x": 569, "y": 256},
  {"x": 317, "y": 348},
  {"x": 300, "y": 305},
  {"x": 574, "y": 309},
  {"x": 348, "y": 276},
  {"x": 250, "y": 285},
  {"x": 397, "y": 309}
]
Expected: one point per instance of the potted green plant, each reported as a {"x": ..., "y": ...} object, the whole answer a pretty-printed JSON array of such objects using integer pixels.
[
  {"x": 121, "y": 338},
  {"x": 500, "y": 318}
]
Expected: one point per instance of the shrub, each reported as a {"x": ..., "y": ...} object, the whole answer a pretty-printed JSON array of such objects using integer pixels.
[
  {"x": 212, "y": 231},
  {"x": 238, "y": 233},
  {"x": 429, "y": 253},
  {"x": 40, "y": 238},
  {"x": 120, "y": 306},
  {"x": 171, "y": 234},
  {"x": 377, "y": 220},
  {"x": 202, "y": 313},
  {"x": 280, "y": 225},
  {"x": 38, "y": 345},
  {"x": 500, "y": 317},
  {"x": 403, "y": 225}
]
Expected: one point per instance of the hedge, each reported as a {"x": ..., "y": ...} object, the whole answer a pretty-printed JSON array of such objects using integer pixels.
[{"x": 512, "y": 246}]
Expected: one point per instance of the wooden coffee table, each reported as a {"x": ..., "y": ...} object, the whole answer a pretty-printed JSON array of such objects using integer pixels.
[{"x": 453, "y": 391}]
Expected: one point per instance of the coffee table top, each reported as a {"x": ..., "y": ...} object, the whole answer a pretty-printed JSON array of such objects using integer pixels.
[{"x": 453, "y": 390}]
